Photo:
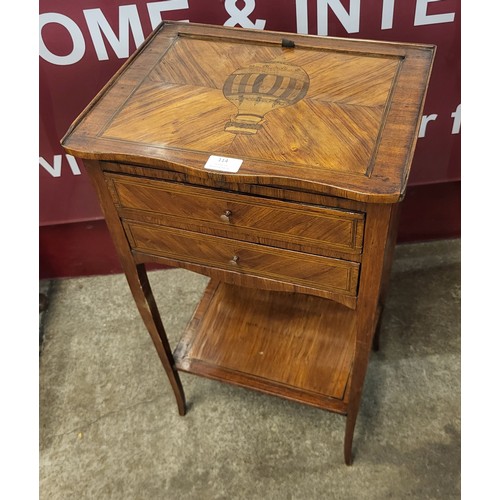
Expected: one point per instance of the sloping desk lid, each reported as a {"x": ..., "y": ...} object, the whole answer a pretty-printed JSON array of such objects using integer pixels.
[{"x": 331, "y": 115}]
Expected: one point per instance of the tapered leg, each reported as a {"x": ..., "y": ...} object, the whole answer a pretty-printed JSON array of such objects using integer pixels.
[
  {"x": 359, "y": 371},
  {"x": 138, "y": 282},
  {"x": 376, "y": 336},
  {"x": 386, "y": 272},
  {"x": 348, "y": 437},
  {"x": 143, "y": 296},
  {"x": 371, "y": 278}
]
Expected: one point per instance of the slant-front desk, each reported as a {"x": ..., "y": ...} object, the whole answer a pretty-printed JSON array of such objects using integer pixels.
[{"x": 273, "y": 163}]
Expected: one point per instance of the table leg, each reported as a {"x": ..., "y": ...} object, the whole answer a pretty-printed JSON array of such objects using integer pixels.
[
  {"x": 143, "y": 296},
  {"x": 386, "y": 273},
  {"x": 138, "y": 282},
  {"x": 372, "y": 276},
  {"x": 359, "y": 371},
  {"x": 376, "y": 336}
]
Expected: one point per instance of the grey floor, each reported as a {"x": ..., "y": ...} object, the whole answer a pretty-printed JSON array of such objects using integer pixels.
[{"x": 109, "y": 427}]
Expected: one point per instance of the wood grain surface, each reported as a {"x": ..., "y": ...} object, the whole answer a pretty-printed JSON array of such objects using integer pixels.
[
  {"x": 310, "y": 271},
  {"x": 295, "y": 345},
  {"x": 305, "y": 226},
  {"x": 330, "y": 114},
  {"x": 242, "y": 217}
]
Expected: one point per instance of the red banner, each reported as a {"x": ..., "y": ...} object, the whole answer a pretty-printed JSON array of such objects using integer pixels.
[{"x": 83, "y": 43}]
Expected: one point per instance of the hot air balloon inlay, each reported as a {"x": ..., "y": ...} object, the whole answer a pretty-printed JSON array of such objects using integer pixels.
[{"x": 261, "y": 88}]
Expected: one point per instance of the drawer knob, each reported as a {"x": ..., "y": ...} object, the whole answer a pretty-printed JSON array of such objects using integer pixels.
[
  {"x": 234, "y": 260},
  {"x": 226, "y": 215}
]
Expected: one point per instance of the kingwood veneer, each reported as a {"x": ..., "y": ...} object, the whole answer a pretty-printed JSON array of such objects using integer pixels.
[{"x": 298, "y": 239}]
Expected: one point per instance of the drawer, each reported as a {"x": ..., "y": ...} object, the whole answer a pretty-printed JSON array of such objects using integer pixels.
[
  {"x": 292, "y": 225},
  {"x": 311, "y": 271}
]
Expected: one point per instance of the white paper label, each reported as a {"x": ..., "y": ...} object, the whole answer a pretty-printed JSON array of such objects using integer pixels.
[{"x": 223, "y": 164}]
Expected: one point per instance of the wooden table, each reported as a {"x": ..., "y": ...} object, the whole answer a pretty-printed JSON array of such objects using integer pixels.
[{"x": 273, "y": 163}]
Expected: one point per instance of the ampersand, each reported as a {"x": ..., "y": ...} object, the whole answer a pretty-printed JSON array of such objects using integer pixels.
[{"x": 240, "y": 16}]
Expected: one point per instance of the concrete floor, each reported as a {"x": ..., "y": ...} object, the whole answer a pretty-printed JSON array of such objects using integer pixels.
[{"x": 109, "y": 427}]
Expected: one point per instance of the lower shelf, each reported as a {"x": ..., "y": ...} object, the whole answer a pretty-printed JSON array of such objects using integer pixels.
[{"x": 295, "y": 346}]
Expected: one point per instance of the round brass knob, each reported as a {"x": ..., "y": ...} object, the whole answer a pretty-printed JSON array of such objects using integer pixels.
[
  {"x": 234, "y": 260},
  {"x": 226, "y": 215}
]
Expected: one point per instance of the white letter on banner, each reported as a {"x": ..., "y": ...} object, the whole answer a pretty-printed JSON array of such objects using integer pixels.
[
  {"x": 350, "y": 21},
  {"x": 76, "y": 35},
  {"x": 387, "y": 14},
  {"x": 54, "y": 171},
  {"x": 73, "y": 165},
  {"x": 422, "y": 18},
  {"x": 423, "y": 125},
  {"x": 156, "y": 8},
  {"x": 98, "y": 25},
  {"x": 240, "y": 16},
  {"x": 301, "y": 15},
  {"x": 456, "y": 115}
]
